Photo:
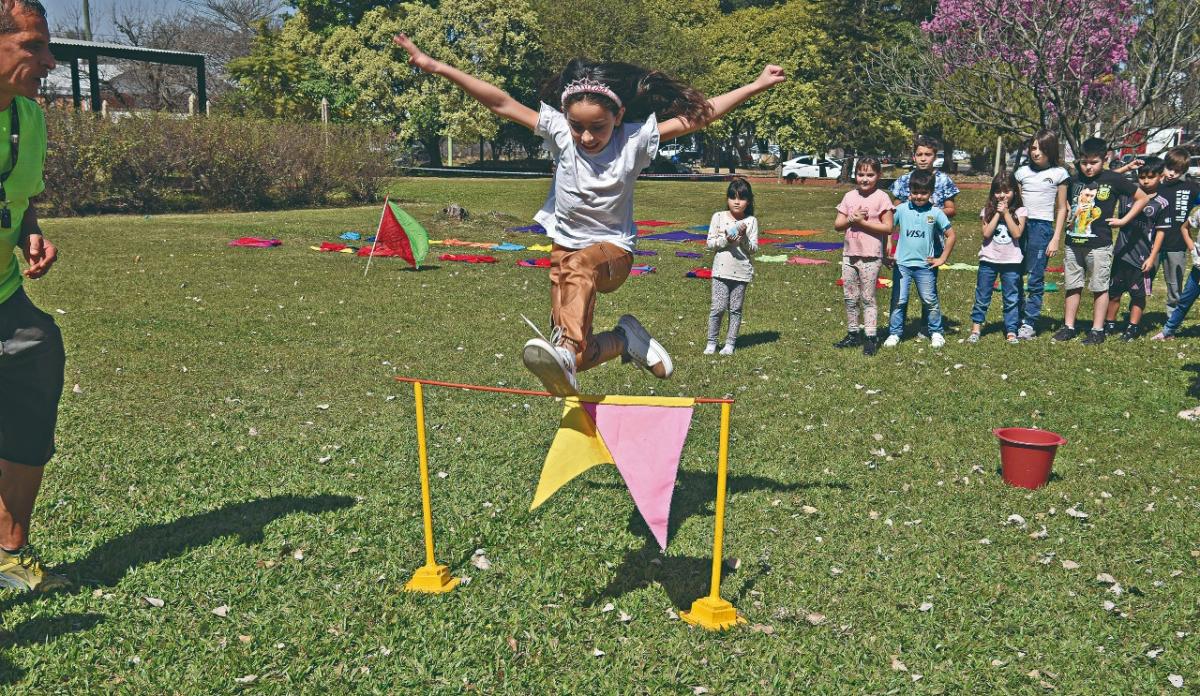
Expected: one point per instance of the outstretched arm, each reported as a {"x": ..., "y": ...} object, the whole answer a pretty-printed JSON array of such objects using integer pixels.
[
  {"x": 723, "y": 104},
  {"x": 495, "y": 99}
]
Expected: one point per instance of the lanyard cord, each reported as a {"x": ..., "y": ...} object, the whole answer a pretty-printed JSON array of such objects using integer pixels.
[{"x": 14, "y": 137}]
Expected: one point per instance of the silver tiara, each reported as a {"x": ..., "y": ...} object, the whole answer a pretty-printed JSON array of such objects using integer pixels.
[{"x": 586, "y": 85}]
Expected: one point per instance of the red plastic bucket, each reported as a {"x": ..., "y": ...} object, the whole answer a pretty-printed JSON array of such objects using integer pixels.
[{"x": 1026, "y": 455}]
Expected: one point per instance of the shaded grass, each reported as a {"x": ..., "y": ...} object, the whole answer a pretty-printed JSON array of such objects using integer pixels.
[{"x": 161, "y": 490}]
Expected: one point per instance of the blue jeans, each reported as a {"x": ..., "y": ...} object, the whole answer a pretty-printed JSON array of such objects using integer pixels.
[
  {"x": 1191, "y": 290},
  {"x": 925, "y": 280},
  {"x": 1038, "y": 234},
  {"x": 1010, "y": 287}
]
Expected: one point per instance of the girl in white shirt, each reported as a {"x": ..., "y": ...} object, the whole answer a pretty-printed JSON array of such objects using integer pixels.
[
  {"x": 733, "y": 235},
  {"x": 1044, "y": 189},
  {"x": 603, "y": 133}
]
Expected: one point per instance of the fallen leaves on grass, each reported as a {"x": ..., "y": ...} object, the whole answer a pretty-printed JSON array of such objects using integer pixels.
[
  {"x": 222, "y": 611},
  {"x": 154, "y": 602}
]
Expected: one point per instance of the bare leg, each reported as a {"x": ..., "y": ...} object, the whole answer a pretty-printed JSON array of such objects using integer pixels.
[
  {"x": 1071, "y": 306},
  {"x": 1099, "y": 310},
  {"x": 19, "y": 485}
]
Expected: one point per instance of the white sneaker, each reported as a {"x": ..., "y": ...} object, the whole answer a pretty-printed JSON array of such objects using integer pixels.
[
  {"x": 937, "y": 340},
  {"x": 553, "y": 365},
  {"x": 643, "y": 350},
  {"x": 710, "y": 348},
  {"x": 892, "y": 341},
  {"x": 1026, "y": 333},
  {"x": 727, "y": 349}
]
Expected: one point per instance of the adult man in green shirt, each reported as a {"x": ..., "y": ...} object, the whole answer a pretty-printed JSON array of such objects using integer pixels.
[{"x": 31, "y": 347}]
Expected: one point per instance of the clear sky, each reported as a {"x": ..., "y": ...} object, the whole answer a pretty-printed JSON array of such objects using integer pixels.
[{"x": 69, "y": 13}]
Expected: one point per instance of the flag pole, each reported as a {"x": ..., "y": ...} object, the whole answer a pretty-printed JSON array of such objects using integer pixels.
[
  {"x": 377, "y": 229},
  {"x": 431, "y": 577},
  {"x": 712, "y": 612}
]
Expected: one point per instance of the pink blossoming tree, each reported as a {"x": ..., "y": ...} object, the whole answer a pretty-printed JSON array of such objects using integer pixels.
[{"x": 1016, "y": 66}]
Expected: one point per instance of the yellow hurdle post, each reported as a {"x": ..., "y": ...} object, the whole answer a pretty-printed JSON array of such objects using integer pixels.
[
  {"x": 712, "y": 612},
  {"x": 431, "y": 577}
]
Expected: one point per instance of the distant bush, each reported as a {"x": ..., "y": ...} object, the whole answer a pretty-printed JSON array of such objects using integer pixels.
[{"x": 151, "y": 163}]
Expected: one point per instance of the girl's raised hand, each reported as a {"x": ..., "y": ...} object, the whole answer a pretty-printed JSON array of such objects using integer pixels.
[
  {"x": 416, "y": 57},
  {"x": 771, "y": 76}
]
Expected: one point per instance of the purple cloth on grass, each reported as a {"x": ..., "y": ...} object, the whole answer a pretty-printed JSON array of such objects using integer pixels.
[
  {"x": 675, "y": 236},
  {"x": 644, "y": 252},
  {"x": 534, "y": 228},
  {"x": 688, "y": 254}
]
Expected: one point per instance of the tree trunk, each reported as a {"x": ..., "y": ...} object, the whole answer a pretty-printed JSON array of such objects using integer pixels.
[{"x": 432, "y": 145}]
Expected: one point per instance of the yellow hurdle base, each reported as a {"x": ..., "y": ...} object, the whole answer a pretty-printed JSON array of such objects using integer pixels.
[
  {"x": 433, "y": 579},
  {"x": 712, "y": 613}
]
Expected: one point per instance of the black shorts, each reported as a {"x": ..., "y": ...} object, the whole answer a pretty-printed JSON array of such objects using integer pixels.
[
  {"x": 31, "y": 381},
  {"x": 1127, "y": 278}
]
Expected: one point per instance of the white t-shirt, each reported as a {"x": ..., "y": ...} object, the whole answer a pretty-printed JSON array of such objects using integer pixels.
[
  {"x": 1039, "y": 190},
  {"x": 732, "y": 261},
  {"x": 591, "y": 196}
]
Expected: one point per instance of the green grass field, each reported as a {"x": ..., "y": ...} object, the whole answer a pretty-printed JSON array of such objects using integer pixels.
[{"x": 237, "y": 446}]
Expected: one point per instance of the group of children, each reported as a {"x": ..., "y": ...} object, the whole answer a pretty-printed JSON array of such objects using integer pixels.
[{"x": 1025, "y": 221}]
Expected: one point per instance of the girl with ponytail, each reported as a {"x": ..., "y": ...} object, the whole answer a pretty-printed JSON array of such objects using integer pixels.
[{"x": 602, "y": 123}]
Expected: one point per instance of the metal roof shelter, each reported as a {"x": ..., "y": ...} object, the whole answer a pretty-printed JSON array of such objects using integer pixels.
[{"x": 72, "y": 51}]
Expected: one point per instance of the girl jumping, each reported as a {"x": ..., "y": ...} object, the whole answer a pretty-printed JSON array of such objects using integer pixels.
[
  {"x": 733, "y": 235},
  {"x": 603, "y": 133}
]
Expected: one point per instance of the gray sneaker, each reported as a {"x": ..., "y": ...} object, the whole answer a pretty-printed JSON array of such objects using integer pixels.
[
  {"x": 642, "y": 349},
  {"x": 553, "y": 365},
  {"x": 1026, "y": 333}
]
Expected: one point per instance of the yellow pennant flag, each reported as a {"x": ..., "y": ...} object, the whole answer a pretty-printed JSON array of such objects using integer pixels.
[{"x": 577, "y": 447}]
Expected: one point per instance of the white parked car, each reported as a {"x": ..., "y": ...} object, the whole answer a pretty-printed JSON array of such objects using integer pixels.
[
  {"x": 1194, "y": 168},
  {"x": 809, "y": 167},
  {"x": 961, "y": 156},
  {"x": 670, "y": 150}
]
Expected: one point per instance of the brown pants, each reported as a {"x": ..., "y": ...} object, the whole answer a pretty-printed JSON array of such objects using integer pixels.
[{"x": 576, "y": 275}]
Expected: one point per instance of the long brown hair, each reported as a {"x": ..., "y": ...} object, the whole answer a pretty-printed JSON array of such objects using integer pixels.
[
  {"x": 1003, "y": 182},
  {"x": 642, "y": 92}
]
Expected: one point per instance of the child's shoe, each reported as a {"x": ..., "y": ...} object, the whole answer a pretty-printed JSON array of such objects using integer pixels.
[
  {"x": 937, "y": 340},
  {"x": 1162, "y": 336},
  {"x": 852, "y": 339},
  {"x": 710, "y": 348},
  {"x": 1012, "y": 339},
  {"x": 892, "y": 341},
  {"x": 727, "y": 349},
  {"x": 553, "y": 365},
  {"x": 1094, "y": 337},
  {"x": 1026, "y": 333},
  {"x": 644, "y": 351},
  {"x": 1131, "y": 333},
  {"x": 973, "y": 338},
  {"x": 870, "y": 345},
  {"x": 1111, "y": 328},
  {"x": 1066, "y": 333}
]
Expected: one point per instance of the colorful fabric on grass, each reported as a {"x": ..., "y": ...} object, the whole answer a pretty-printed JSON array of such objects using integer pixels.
[
  {"x": 652, "y": 223},
  {"x": 507, "y": 246},
  {"x": 255, "y": 242},
  {"x": 641, "y": 270},
  {"x": 792, "y": 233},
  {"x": 644, "y": 252},
  {"x": 543, "y": 262},
  {"x": 333, "y": 246},
  {"x": 401, "y": 233},
  {"x": 542, "y": 247},
  {"x": 677, "y": 236},
  {"x": 803, "y": 261},
  {"x": 350, "y": 236},
  {"x": 463, "y": 243},
  {"x": 468, "y": 258},
  {"x": 699, "y": 273},
  {"x": 768, "y": 258},
  {"x": 688, "y": 254},
  {"x": 642, "y": 436},
  {"x": 813, "y": 246},
  {"x": 534, "y": 228}
]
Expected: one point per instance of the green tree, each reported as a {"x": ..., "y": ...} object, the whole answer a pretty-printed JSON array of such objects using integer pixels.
[{"x": 492, "y": 39}]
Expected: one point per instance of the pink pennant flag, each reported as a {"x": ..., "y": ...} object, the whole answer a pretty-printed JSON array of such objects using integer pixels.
[{"x": 645, "y": 443}]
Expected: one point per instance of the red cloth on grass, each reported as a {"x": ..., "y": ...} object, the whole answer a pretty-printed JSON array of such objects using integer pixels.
[
  {"x": 468, "y": 258},
  {"x": 257, "y": 242},
  {"x": 543, "y": 262},
  {"x": 700, "y": 273},
  {"x": 330, "y": 246}
]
